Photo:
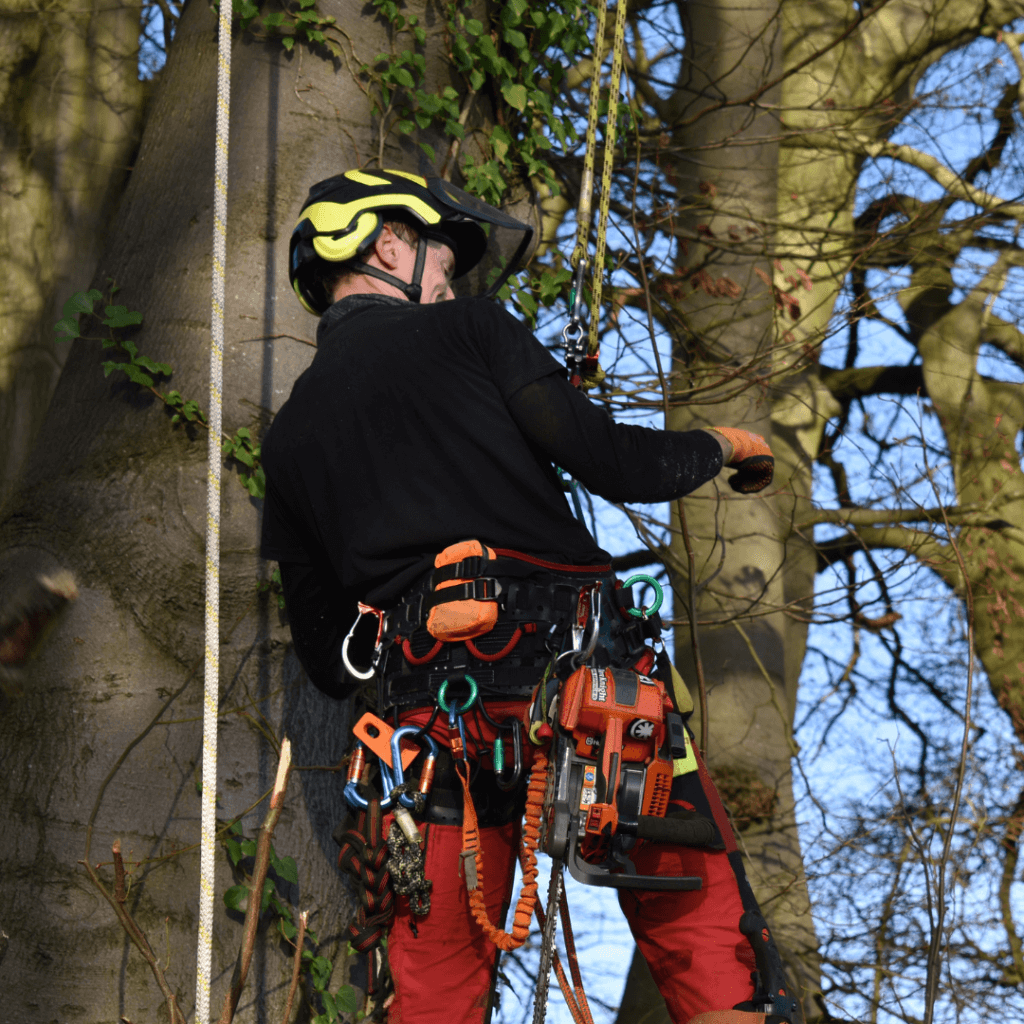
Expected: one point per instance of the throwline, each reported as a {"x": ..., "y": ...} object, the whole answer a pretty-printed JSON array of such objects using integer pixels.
[{"x": 204, "y": 952}]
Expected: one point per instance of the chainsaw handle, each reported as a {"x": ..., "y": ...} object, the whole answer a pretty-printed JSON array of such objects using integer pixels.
[
  {"x": 590, "y": 874},
  {"x": 680, "y": 831}
]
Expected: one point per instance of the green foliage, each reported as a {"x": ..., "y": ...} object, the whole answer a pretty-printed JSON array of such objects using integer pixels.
[
  {"x": 274, "y": 586},
  {"x": 326, "y": 1007},
  {"x": 518, "y": 59},
  {"x": 142, "y": 370},
  {"x": 294, "y": 22},
  {"x": 242, "y": 450}
]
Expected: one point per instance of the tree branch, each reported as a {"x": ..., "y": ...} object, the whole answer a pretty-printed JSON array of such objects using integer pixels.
[
  {"x": 846, "y": 385},
  {"x": 135, "y": 933},
  {"x": 259, "y": 875}
]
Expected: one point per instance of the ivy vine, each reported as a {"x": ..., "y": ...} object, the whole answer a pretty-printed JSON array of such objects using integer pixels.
[{"x": 143, "y": 371}]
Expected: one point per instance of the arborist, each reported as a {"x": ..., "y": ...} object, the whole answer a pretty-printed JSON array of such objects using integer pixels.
[{"x": 412, "y": 486}]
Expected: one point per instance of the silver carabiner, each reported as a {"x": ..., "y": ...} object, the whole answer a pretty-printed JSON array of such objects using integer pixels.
[{"x": 364, "y": 609}]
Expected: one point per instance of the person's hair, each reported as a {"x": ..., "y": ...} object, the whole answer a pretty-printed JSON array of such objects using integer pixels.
[{"x": 330, "y": 275}]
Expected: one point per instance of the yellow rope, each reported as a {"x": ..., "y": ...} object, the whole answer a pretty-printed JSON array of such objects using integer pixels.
[
  {"x": 204, "y": 953},
  {"x": 584, "y": 213}
]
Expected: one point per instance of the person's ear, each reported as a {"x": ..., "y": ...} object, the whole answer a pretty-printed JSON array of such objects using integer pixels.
[{"x": 386, "y": 248}]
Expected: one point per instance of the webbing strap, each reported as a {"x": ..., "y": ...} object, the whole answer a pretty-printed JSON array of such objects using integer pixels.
[{"x": 204, "y": 952}]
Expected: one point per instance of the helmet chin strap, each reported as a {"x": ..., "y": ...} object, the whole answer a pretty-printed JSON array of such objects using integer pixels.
[{"x": 413, "y": 290}]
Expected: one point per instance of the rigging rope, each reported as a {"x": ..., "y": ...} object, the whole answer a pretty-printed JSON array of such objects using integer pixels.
[
  {"x": 584, "y": 212},
  {"x": 204, "y": 954}
]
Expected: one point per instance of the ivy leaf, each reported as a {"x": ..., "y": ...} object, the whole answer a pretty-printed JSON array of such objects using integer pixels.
[
  {"x": 405, "y": 127},
  {"x": 273, "y": 20},
  {"x": 500, "y": 141},
  {"x": 69, "y": 325},
  {"x": 257, "y": 486},
  {"x": 249, "y": 847},
  {"x": 515, "y": 95},
  {"x": 287, "y": 869},
  {"x": 420, "y": 34},
  {"x": 473, "y": 27},
  {"x": 81, "y": 302},
  {"x": 423, "y": 119},
  {"x": 287, "y": 929},
  {"x": 152, "y": 365},
  {"x": 237, "y": 897},
  {"x": 454, "y": 129},
  {"x": 346, "y": 999},
  {"x": 320, "y": 972},
  {"x": 288, "y": 42},
  {"x": 515, "y": 38},
  {"x": 268, "y": 892},
  {"x": 118, "y": 316},
  {"x": 234, "y": 849},
  {"x": 476, "y": 79},
  {"x": 429, "y": 150},
  {"x": 329, "y": 1007},
  {"x": 403, "y": 77},
  {"x": 131, "y": 348}
]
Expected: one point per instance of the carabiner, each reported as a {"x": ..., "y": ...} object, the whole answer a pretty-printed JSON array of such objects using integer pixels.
[
  {"x": 353, "y": 797},
  {"x": 397, "y": 774},
  {"x": 582, "y": 655},
  {"x": 456, "y": 730},
  {"x": 364, "y": 609},
  {"x": 659, "y": 595},
  {"x": 508, "y": 783}
]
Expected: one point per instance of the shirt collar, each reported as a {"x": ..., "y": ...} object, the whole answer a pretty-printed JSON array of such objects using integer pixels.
[{"x": 351, "y": 304}]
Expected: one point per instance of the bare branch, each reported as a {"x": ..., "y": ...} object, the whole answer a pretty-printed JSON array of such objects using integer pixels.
[
  {"x": 846, "y": 385},
  {"x": 259, "y": 875}
]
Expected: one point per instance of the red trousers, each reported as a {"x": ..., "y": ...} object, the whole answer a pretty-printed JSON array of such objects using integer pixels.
[{"x": 691, "y": 940}]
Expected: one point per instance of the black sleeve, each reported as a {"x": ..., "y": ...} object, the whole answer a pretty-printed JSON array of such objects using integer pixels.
[
  {"x": 319, "y": 617},
  {"x": 618, "y": 461}
]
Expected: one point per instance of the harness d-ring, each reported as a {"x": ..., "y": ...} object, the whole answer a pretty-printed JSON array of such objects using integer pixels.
[
  {"x": 364, "y": 609},
  {"x": 442, "y": 696},
  {"x": 640, "y": 577}
]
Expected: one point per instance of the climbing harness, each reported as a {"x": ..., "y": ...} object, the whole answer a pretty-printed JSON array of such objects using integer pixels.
[{"x": 207, "y": 848}]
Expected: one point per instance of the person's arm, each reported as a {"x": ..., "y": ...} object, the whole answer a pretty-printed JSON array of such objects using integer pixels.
[
  {"x": 618, "y": 461},
  {"x": 319, "y": 617}
]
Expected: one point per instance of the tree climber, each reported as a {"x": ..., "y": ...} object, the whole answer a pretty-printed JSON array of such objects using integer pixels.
[{"x": 422, "y": 423}]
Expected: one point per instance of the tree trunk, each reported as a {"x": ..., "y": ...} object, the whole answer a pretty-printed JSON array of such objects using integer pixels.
[
  {"x": 115, "y": 493},
  {"x": 71, "y": 107}
]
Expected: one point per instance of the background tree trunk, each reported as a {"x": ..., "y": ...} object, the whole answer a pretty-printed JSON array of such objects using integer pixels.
[
  {"x": 71, "y": 107},
  {"x": 118, "y": 496}
]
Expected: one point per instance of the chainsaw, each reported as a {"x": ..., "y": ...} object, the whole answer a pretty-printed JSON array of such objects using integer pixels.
[{"x": 616, "y": 742}]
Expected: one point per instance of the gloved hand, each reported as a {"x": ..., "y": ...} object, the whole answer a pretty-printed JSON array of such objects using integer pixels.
[{"x": 751, "y": 456}]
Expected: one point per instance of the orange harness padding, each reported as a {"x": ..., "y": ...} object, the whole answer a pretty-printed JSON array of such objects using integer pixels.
[{"x": 531, "y": 837}]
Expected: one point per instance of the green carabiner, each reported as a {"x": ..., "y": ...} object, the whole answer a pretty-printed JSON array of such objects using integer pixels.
[
  {"x": 643, "y": 613},
  {"x": 442, "y": 696}
]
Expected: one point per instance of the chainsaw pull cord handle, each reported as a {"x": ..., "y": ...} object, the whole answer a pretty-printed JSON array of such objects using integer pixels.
[{"x": 359, "y": 673}]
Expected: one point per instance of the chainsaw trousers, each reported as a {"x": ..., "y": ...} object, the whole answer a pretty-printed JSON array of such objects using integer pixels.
[{"x": 443, "y": 966}]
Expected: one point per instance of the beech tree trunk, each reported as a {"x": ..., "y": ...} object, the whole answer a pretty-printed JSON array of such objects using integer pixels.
[
  {"x": 116, "y": 494},
  {"x": 71, "y": 107}
]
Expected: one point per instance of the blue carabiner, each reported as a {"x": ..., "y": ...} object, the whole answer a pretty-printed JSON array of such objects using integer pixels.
[{"x": 397, "y": 773}]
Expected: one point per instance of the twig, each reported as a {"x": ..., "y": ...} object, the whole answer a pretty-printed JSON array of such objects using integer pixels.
[
  {"x": 137, "y": 935},
  {"x": 259, "y": 875},
  {"x": 119, "y": 891},
  {"x": 296, "y": 965},
  {"x": 691, "y": 560},
  {"x": 702, "y": 690},
  {"x": 934, "y": 946}
]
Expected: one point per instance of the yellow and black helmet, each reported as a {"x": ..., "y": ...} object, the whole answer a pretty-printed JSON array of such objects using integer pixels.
[{"x": 343, "y": 216}]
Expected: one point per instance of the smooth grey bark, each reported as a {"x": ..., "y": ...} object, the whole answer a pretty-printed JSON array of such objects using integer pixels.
[
  {"x": 71, "y": 107},
  {"x": 113, "y": 493}
]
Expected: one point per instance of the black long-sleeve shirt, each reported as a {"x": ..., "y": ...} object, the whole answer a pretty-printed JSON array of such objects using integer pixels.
[{"x": 417, "y": 426}]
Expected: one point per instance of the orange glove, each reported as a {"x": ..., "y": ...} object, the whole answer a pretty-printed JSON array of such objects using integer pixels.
[{"x": 751, "y": 456}]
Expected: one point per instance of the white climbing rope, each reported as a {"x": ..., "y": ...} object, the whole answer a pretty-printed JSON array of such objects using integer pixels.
[{"x": 204, "y": 954}]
